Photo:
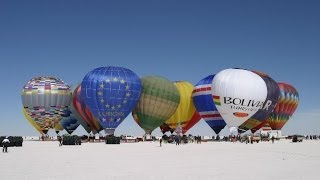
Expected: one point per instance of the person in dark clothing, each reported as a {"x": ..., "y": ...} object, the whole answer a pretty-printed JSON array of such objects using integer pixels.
[
  {"x": 272, "y": 139},
  {"x": 60, "y": 140},
  {"x": 198, "y": 139},
  {"x": 5, "y": 145},
  {"x": 177, "y": 140},
  {"x": 218, "y": 138}
]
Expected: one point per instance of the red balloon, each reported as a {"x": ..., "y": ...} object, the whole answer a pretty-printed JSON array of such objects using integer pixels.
[{"x": 84, "y": 111}]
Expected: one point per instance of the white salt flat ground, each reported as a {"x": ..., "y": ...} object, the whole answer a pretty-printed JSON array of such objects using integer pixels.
[{"x": 147, "y": 161}]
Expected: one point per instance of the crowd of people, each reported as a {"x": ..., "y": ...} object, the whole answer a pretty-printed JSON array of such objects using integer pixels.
[
  {"x": 312, "y": 137},
  {"x": 178, "y": 140}
]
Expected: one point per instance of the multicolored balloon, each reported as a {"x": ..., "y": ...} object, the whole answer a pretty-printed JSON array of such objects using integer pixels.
[
  {"x": 33, "y": 124},
  {"x": 262, "y": 114},
  {"x": 111, "y": 93},
  {"x": 82, "y": 112},
  {"x": 286, "y": 106},
  {"x": 45, "y": 99},
  {"x": 186, "y": 115},
  {"x": 238, "y": 95},
  {"x": 203, "y": 101},
  {"x": 158, "y": 101}
]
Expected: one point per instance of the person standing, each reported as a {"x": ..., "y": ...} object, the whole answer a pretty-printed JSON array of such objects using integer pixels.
[
  {"x": 60, "y": 140},
  {"x": 160, "y": 141},
  {"x": 5, "y": 144},
  {"x": 176, "y": 140},
  {"x": 272, "y": 139}
]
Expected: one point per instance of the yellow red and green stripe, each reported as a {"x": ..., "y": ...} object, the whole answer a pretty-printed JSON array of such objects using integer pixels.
[{"x": 216, "y": 100}]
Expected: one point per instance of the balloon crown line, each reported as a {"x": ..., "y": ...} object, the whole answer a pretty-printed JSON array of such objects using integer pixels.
[{"x": 122, "y": 67}]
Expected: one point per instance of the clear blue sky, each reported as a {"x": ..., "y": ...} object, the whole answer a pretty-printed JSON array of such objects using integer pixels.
[{"x": 180, "y": 40}]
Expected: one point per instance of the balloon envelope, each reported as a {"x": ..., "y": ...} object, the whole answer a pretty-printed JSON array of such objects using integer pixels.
[
  {"x": 158, "y": 101},
  {"x": 203, "y": 101},
  {"x": 239, "y": 94},
  {"x": 111, "y": 93},
  {"x": 286, "y": 106},
  {"x": 186, "y": 112},
  {"x": 45, "y": 99}
]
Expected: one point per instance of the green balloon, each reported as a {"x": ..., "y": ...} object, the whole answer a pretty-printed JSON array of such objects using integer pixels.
[{"x": 158, "y": 101}]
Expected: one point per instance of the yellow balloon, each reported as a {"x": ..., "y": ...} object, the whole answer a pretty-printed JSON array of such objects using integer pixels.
[
  {"x": 186, "y": 108},
  {"x": 31, "y": 121}
]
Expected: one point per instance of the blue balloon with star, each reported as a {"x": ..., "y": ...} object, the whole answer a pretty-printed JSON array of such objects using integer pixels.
[{"x": 111, "y": 93}]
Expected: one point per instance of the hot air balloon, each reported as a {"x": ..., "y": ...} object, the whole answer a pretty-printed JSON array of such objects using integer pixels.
[
  {"x": 158, "y": 101},
  {"x": 44, "y": 99},
  {"x": 82, "y": 112},
  {"x": 111, "y": 93},
  {"x": 239, "y": 94},
  {"x": 203, "y": 101},
  {"x": 286, "y": 106},
  {"x": 186, "y": 115},
  {"x": 279, "y": 111},
  {"x": 33, "y": 124},
  {"x": 262, "y": 114},
  {"x": 70, "y": 123}
]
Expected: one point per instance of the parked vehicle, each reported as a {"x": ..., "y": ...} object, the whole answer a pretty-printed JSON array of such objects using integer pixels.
[{"x": 297, "y": 138}]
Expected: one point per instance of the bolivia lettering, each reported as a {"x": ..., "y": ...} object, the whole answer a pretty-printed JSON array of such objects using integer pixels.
[{"x": 247, "y": 104}]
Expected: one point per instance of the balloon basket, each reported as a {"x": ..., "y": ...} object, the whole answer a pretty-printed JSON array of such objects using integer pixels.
[
  {"x": 71, "y": 140},
  {"x": 111, "y": 139},
  {"x": 147, "y": 137}
]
